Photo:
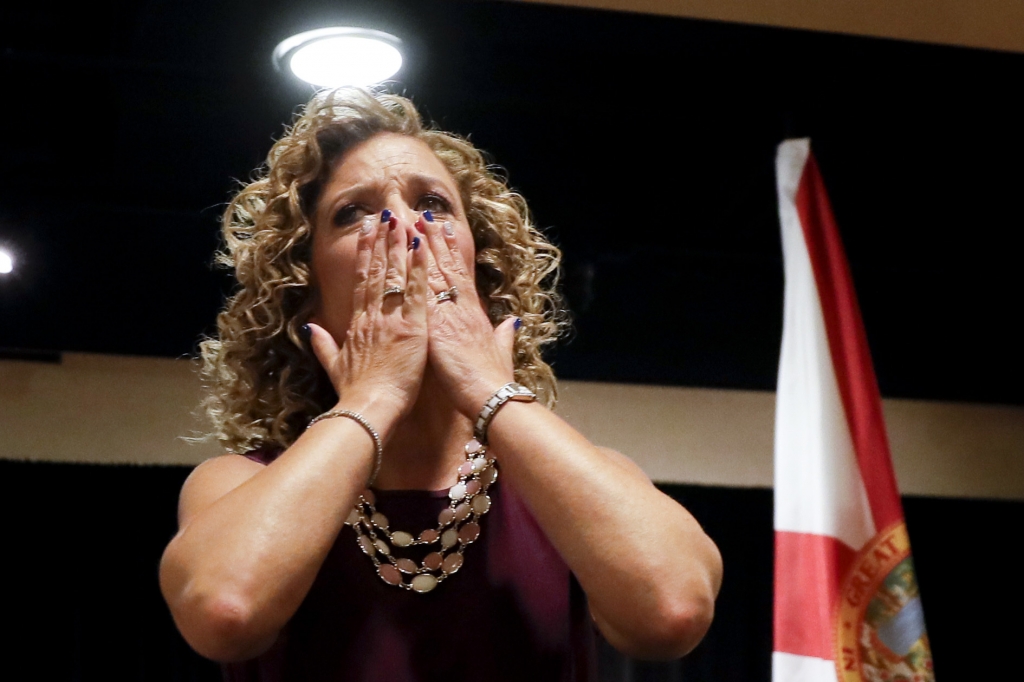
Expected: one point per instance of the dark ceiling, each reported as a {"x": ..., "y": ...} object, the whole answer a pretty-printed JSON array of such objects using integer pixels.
[{"x": 645, "y": 145}]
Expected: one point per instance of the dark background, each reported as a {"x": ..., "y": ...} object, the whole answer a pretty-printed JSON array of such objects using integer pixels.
[
  {"x": 645, "y": 145},
  {"x": 646, "y": 148}
]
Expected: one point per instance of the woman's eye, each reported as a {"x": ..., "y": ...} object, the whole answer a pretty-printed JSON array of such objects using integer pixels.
[
  {"x": 348, "y": 215},
  {"x": 432, "y": 202}
]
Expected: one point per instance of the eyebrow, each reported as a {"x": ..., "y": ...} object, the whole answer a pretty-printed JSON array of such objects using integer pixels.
[{"x": 418, "y": 179}]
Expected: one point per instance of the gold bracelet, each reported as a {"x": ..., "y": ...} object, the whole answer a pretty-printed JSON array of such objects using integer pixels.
[{"x": 378, "y": 448}]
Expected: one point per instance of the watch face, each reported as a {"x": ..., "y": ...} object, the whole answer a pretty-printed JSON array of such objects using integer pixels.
[{"x": 523, "y": 394}]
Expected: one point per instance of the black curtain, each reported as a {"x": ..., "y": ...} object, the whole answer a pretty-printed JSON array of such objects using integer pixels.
[{"x": 81, "y": 544}]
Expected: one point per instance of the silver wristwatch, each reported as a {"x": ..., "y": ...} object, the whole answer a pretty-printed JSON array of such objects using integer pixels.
[{"x": 510, "y": 391}]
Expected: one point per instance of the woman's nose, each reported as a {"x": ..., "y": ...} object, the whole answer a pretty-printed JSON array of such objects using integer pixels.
[
  {"x": 398, "y": 210},
  {"x": 406, "y": 216}
]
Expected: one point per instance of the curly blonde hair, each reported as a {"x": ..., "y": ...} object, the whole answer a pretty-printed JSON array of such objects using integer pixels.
[{"x": 262, "y": 383}]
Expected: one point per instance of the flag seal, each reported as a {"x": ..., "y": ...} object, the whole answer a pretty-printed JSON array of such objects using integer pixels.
[{"x": 879, "y": 629}]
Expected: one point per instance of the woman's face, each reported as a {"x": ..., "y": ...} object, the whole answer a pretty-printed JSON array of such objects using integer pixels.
[{"x": 388, "y": 171}]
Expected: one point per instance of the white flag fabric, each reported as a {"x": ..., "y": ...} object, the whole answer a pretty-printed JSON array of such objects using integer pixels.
[{"x": 847, "y": 605}]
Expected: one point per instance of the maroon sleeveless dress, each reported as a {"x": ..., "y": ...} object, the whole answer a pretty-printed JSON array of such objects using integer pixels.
[{"x": 513, "y": 611}]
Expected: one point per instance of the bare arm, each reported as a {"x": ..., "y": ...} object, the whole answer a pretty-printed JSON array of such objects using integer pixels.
[
  {"x": 650, "y": 573},
  {"x": 252, "y": 538}
]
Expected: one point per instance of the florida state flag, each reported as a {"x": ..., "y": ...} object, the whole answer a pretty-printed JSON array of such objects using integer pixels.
[{"x": 847, "y": 605}]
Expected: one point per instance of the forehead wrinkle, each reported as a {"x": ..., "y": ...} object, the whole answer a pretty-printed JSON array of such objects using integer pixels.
[
  {"x": 415, "y": 180},
  {"x": 369, "y": 174},
  {"x": 397, "y": 158},
  {"x": 360, "y": 173}
]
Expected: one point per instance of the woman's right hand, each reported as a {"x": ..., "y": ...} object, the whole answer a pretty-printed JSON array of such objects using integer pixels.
[
  {"x": 252, "y": 538},
  {"x": 383, "y": 355}
]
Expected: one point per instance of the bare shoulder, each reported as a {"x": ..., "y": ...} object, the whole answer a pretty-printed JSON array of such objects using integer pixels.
[
  {"x": 625, "y": 462},
  {"x": 210, "y": 481}
]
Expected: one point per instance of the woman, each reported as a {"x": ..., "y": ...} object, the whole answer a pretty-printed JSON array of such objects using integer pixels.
[{"x": 419, "y": 280}]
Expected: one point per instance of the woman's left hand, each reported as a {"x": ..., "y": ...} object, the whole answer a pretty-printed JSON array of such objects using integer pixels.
[
  {"x": 469, "y": 356},
  {"x": 651, "y": 591}
]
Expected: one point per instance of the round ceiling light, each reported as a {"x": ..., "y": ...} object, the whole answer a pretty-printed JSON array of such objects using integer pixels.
[
  {"x": 6, "y": 262},
  {"x": 341, "y": 55}
]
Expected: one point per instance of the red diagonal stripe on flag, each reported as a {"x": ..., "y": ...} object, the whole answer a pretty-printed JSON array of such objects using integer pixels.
[{"x": 848, "y": 344}]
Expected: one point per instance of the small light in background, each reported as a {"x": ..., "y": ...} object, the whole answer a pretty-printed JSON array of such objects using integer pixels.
[
  {"x": 341, "y": 55},
  {"x": 6, "y": 262}
]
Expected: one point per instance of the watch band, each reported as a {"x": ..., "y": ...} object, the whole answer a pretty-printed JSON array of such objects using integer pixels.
[{"x": 510, "y": 391}]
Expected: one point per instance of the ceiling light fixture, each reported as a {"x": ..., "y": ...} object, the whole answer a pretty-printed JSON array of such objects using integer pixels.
[
  {"x": 340, "y": 55},
  {"x": 6, "y": 262}
]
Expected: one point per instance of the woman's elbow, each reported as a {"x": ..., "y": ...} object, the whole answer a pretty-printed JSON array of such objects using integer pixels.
[
  {"x": 683, "y": 616},
  {"x": 670, "y": 630},
  {"x": 680, "y": 627},
  {"x": 217, "y": 624},
  {"x": 222, "y": 628}
]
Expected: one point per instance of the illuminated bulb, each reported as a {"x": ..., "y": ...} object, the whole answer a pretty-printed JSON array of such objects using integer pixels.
[
  {"x": 6, "y": 262},
  {"x": 332, "y": 57}
]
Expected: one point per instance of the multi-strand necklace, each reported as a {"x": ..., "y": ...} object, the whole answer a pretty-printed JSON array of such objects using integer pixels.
[{"x": 458, "y": 526}]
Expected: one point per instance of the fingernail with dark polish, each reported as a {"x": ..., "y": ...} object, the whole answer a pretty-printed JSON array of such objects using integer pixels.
[
  {"x": 429, "y": 216},
  {"x": 518, "y": 323},
  {"x": 393, "y": 223},
  {"x": 306, "y": 332},
  {"x": 415, "y": 244},
  {"x": 385, "y": 216}
]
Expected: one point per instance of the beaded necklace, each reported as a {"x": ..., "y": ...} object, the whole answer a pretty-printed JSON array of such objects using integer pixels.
[{"x": 458, "y": 526}]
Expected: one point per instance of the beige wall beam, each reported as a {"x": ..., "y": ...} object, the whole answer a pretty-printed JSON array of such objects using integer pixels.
[
  {"x": 725, "y": 437},
  {"x": 991, "y": 24},
  {"x": 100, "y": 408},
  {"x": 110, "y": 409}
]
